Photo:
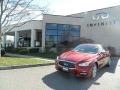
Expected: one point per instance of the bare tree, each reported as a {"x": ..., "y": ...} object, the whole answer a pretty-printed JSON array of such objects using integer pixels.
[{"x": 17, "y": 11}]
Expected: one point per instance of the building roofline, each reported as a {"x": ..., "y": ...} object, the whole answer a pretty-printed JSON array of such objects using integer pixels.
[
  {"x": 62, "y": 16},
  {"x": 24, "y": 22},
  {"x": 94, "y": 10}
]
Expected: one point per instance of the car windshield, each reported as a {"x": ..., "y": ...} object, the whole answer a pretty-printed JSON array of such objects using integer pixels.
[{"x": 86, "y": 49}]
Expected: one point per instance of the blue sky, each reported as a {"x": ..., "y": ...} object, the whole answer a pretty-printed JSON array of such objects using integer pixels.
[{"x": 66, "y": 7}]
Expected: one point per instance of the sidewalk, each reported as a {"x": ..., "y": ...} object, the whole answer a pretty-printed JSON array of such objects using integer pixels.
[{"x": 27, "y": 56}]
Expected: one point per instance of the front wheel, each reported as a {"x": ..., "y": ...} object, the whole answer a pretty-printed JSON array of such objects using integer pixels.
[{"x": 94, "y": 71}]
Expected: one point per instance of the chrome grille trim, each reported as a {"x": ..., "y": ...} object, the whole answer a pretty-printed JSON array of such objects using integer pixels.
[{"x": 67, "y": 62}]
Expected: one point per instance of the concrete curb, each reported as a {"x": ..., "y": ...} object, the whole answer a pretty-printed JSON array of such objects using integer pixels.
[{"x": 24, "y": 66}]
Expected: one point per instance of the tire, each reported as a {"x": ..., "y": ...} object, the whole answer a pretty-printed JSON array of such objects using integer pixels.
[
  {"x": 94, "y": 71},
  {"x": 109, "y": 63}
]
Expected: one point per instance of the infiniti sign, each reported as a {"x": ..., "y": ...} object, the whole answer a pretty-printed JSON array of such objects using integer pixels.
[{"x": 102, "y": 15}]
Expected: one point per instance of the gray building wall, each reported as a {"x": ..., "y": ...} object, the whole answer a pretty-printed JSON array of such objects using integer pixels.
[{"x": 107, "y": 34}]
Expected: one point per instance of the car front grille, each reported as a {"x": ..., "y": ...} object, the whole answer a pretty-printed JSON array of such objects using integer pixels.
[{"x": 67, "y": 64}]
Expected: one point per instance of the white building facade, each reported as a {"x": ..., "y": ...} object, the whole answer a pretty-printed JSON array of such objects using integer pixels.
[{"x": 102, "y": 26}]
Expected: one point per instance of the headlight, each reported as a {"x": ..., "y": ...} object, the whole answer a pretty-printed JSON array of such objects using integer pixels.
[{"x": 84, "y": 64}]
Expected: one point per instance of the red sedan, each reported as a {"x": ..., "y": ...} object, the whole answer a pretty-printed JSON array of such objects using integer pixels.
[{"x": 84, "y": 60}]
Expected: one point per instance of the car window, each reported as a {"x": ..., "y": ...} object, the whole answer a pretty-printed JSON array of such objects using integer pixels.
[
  {"x": 86, "y": 49},
  {"x": 101, "y": 49}
]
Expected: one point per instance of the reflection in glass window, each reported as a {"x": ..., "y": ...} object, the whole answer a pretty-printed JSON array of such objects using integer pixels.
[
  {"x": 51, "y": 32},
  {"x": 63, "y": 27},
  {"x": 66, "y": 33},
  {"x": 67, "y": 27},
  {"x": 51, "y": 26},
  {"x": 51, "y": 38},
  {"x": 49, "y": 43},
  {"x": 76, "y": 38},
  {"x": 75, "y": 33},
  {"x": 60, "y": 38},
  {"x": 57, "y": 33},
  {"x": 61, "y": 32},
  {"x": 74, "y": 27}
]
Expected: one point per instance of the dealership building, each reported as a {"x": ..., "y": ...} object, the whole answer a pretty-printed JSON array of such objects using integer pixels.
[{"x": 102, "y": 26}]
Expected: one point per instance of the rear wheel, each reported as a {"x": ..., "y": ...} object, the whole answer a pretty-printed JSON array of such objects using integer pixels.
[{"x": 94, "y": 71}]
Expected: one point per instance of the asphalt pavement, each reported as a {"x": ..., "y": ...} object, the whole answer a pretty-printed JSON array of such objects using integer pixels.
[{"x": 47, "y": 78}]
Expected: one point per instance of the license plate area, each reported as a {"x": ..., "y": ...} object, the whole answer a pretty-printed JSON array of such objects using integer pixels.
[{"x": 65, "y": 69}]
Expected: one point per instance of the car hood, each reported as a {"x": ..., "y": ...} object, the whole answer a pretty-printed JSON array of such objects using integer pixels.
[{"x": 76, "y": 56}]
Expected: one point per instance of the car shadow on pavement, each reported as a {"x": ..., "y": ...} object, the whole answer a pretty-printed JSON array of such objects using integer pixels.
[
  {"x": 65, "y": 81},
  {"x": 114, "y": 62}
]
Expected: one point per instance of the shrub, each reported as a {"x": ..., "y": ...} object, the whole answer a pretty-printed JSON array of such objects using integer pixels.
[
  {"x": 9, "y": 49},
  {"x": 47, "y": 49},
  {"x": 17, "y": 50},
  {"x": 23, "y": 51},
  {"x": 48, "y": 55},
  {"x": 12, "y": 50},
  {"x": 34, "y": 50}
]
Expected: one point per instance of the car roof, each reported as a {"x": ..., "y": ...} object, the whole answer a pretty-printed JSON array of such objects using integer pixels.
[
  {"x": 95, "y": 45},
  {"x": 91, "y": 44}
]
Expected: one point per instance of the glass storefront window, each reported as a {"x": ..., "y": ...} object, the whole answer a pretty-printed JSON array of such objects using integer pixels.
[
  {"x": 51, "y": 38},
  {"x": 50, "y": 44},
  {"x": 74, "y": 27},
  {"x": 76, "y": 38},
  {"x": 63, "y": 27},
  {"x": 51, "y": 26},
  {"x": 57, "y": 33},
  {"x": 75, "y": 33},
  {"x": 51, "y": 32}
]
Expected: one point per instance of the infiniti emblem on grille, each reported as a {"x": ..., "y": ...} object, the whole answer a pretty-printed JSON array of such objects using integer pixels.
[{"x": 65, "y": 64}]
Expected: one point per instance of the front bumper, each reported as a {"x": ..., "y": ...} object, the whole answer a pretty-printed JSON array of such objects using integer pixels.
[{"x": 77, "y": 71}]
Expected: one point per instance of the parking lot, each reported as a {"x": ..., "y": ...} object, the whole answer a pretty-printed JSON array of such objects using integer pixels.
[{"x": 47, "y": 78}]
